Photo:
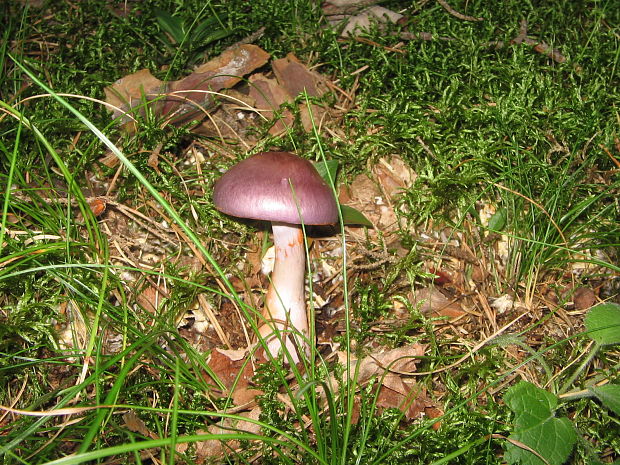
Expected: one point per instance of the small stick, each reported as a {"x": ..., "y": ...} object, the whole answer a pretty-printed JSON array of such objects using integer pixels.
[
  {"x": 614, "y": 159},
  {"x": 456, "y": 14},
  {"x": 540, "y": 47},
  {"x": 206, "y": 308}
]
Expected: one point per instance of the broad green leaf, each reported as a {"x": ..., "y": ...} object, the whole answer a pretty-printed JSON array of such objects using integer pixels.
[
  {"x": 603, "y": 323},
  {"x": 215, "y": 35},
  {"x": 352, "y": 216},
  {"x": 207, "y": 26},
  {"x": 609, "y": 395},
  {"x": 530, "y": 404},
  {"x": 328, "y": 166},
  {"x": 173, "y": 26},
  {"x": 498, "y": 220},
  {"x": 537, "y": 427}
]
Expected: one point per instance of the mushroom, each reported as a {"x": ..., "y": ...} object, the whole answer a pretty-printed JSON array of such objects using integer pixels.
[{"x": 287, "y": 191}]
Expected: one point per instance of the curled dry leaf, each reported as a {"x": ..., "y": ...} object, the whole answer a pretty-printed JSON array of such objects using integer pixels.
[
  {"x": 401, "y": 360},
  {"x": 235, "y": 372},
  {"x": 135, "y": 424},
  {"x": 268, "y": 97},
  {"x": 374, "y": 196},
  {"x": 363, "y": 21},
  {"x": 584, "y": 298},
  {"x": 185, "y": 99},
  {"x": 393, "y": 175},
  {"x": 396, "y": 390},
  {"x": 291, "y": 79},
  {"x": 433, "y": 302},
  {"x": 207, "y": 451},
  {"x": 149, "y": 298},
  {"x": 403, "y": 394}
]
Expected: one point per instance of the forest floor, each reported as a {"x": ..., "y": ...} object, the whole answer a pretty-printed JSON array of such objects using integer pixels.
[{"x": 465, "y": 310}]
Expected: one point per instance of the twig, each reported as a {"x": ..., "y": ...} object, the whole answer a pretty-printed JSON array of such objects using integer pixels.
[
  {"x": 468, "y": 355},
  {"x": 206, "y": 308},
  {"x": 614, "y": 159},
  {"x": 249, "y": 39},
  {"x": 425, "y": 147},
  {"x": 375, "y": 44},
  {"x": 456, "y": 14},
  {"x": 540, "y": 47}
]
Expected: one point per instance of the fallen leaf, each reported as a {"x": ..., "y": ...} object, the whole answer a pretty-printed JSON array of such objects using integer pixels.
[
  {"x": 207, "y": 451},
  {"x": 291, "y": 79},
  {"x": 400, "y": 360},
  {"x": 393, "y": 175},
  {"x": 584, "y": 298},
  {"x": 404, "y": 395},
  {"x": 187, "y": 98},
  {"x": 391, "y": 368},
  {"x": 149, "y": 298},
  {"x": 235, "y": 372},
  {"x": 434, "y": 412},
  {"x": 136, "y": 425},
  {"x": 268, "y": 96},
  {"x": 362, "y": 22},
  {"x": 130, "y": 91},
  {"x": 222, "y": 72},
  {"x": 432, "y": 302},
  {"x": 295, "y": 78}
]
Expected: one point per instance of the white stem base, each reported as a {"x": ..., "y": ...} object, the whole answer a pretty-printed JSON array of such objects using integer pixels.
[{"x": 285, "y": 320}]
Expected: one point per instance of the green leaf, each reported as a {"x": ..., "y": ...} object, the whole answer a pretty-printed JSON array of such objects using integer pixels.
[
  {"x": 498, "y": 220},
  {"x": 171, "y": 25},
  {"x": 207, "y": 26},
  {"x": 603, "y": 323},
  {"x": 351, "y": 215},
  {"x": 324, "y": 167},
  {"x": 537, "y": 427},
  {"x": 609, "y": 395}
]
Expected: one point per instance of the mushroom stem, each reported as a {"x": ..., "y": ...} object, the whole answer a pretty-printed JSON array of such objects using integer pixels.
[{"x": 285, "y": 319}]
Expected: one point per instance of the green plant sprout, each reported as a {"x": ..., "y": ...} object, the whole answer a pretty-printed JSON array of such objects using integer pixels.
[
  {"x": 541, "y": 438},
  {"x": 192, "y": 36}
]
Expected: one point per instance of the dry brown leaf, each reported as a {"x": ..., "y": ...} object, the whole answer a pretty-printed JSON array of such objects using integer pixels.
[
  {"x": 294, "y": 77},
  {"x": 364, "y": 20},
  {"x": 136, "y": 425},
  {"x": 434, "y": 412},
  {"x": 432, "y": 302},
  {"x": 395, "y": 389},
  {"x": 364, "y": 195},
  {"x": 399, "y": 360},
  {"x": 268, "y": 96},
  {"x": 393, "y": 175},
  {"x": 402, "y": 359},
  {"x": 149, "y": 298},
  {"x": 227, "y": 364},
  {"x": 207, "y": 451},
  {"x": 131, "y": 89},
  {"x": 191, "y": 94},
  {"x": 584, "y": 298},
  {"x": 405, "y": 395},
  {"x": 291, "y": 78}
]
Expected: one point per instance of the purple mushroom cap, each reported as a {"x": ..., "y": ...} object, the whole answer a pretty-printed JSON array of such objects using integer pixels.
[{"x": 276, "y": 186}]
